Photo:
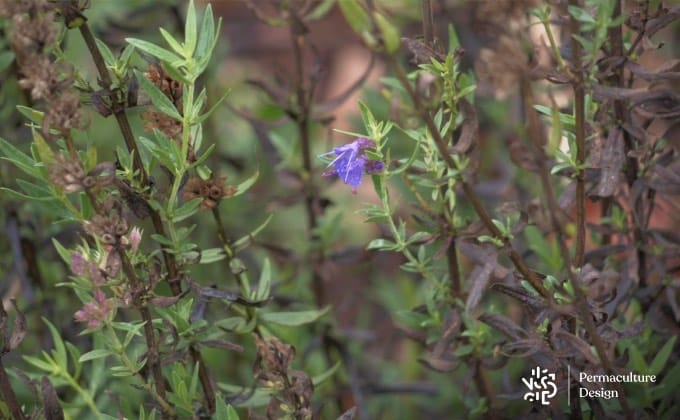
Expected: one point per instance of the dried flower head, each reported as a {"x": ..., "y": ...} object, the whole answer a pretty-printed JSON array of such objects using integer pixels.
[
  {"x": 40, "y": 76},
  {"x": 110, "y": 225},
  {"x": 273, "y": 358},
  {"x": 211, "y": 191},
  {"x": 33, "y": 33},
  {"x": 68, "y": 174},
  {"x": 503, "y": 64},
  {"x": 62, "y": 113}
]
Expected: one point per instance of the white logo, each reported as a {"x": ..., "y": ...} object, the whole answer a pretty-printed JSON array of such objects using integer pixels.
[{"x": 541, "y": 386}]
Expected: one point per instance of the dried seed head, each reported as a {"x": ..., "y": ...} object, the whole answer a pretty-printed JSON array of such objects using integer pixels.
[
  {"x": 63, "y": 113},
  {"x": 211, "y": 191},
  {"x": 110, "y": 225}
]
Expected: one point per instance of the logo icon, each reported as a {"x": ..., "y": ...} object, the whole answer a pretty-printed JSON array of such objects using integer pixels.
[{"x": 541, "y": 385}]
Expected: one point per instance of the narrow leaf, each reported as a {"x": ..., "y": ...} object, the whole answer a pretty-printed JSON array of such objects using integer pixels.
[
  {"x": 294, "y": 319},
  {"x": 158, "y": 98}
]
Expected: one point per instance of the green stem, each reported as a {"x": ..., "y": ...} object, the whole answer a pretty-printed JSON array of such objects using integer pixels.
[
  {"x": 84, "y": 394},
  {"x": 119, "y": 351}
]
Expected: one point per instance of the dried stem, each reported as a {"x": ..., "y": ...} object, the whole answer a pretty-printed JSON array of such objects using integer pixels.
[
  {"x": 428, "y": 23},
  {"x": 8, "y": 394}
]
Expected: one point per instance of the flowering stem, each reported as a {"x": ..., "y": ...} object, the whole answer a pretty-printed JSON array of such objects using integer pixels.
[{"x": 469, "y": 192}]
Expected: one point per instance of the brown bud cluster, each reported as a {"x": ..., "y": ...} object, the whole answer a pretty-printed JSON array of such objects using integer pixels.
[{"x": 211, "y": 191}]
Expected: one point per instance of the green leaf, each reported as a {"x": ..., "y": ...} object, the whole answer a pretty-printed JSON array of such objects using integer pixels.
[
  {"x": 6, "y": 60},
  {"x": 454, "y": 43},
  {"x": 637, "y": 362},
  {"x": 159, "y": 153},
  {"x": 104, "y": 49},
  {"x": 367, "y": 116},
  {"x": 59, "y": 351},
  {"x": 187, "y": 209},
  {"x": 661, "y": 357},
  {"x": 463, "y": 350},
  {"x": 63, "y": 252},
  {"x": 172, "y": 42},
  {"x": 202, "y": 159},
  {"x": 245, "y": 185},
  {"x": 120, "y": 372},
  {"x": 44, "y": 151},
  {"x": 94, "y": 355},
  {"x": 18, "y": 158},
  {"x": 39, "y": 363},
  {"x": 32, "y": 114},
  {"x": 349, "y": 133},
  {"x": 237, "y": 324},
  {"x": 382, "y": 245},
  {"x": 319, "y": 379},
  {"x": 225, "y": 411},
  {"x": 212, "y": 109},
  {"x": 22, "y": 196},
  {"x": 265, "y": 282},
  {"x": 356, "y": 16},
  {"x": 190, "y": 28},
  {"x": 206, "y": 34},
  {"x": 212, "y": 255},
  {"x": 258, "y": 397},
  {"x": 244, "y": 241},
  {"x": 580, "y": 14},
  {"x": 154, "y": 50},
  {"x": 389, "y": 33},
  {"x": 294, "y": 319},
  {"x": 38, "y": 192},
  {"x": 160, "y": 101},
  {"x": 322, "y": 8}
]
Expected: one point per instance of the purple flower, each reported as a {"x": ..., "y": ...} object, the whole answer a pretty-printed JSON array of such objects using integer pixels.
[
  {"x": 352, "y": 162},
  {"x": 78, "y": 264},
  {"x": 95, "y": 313}
]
